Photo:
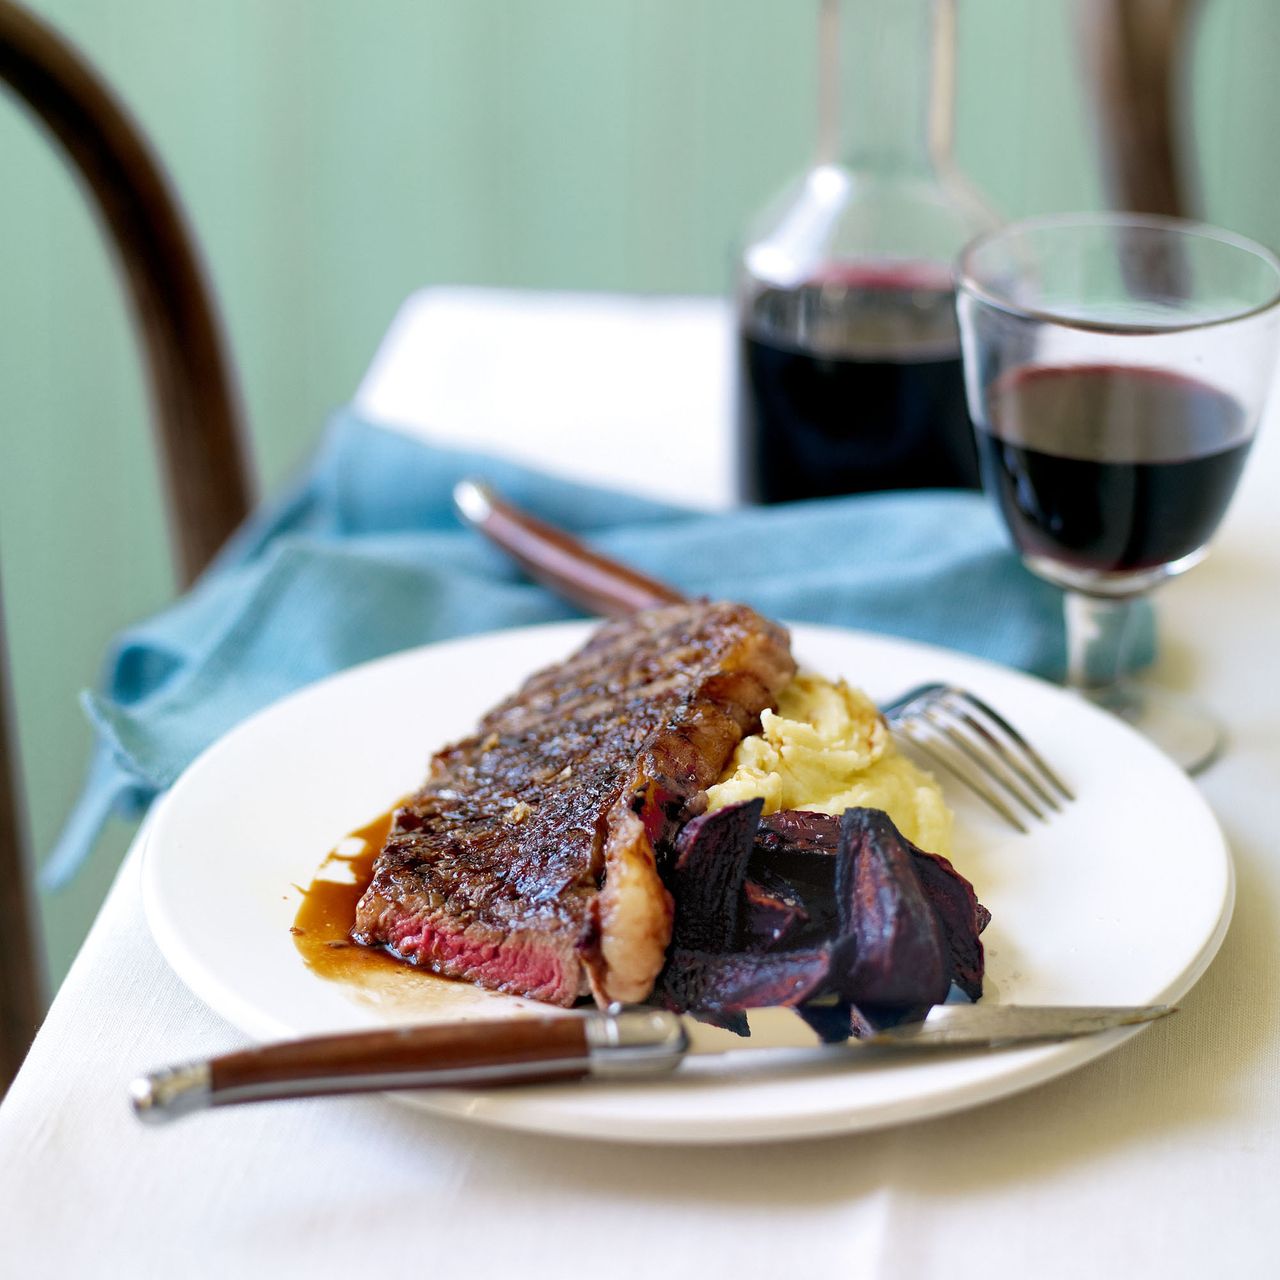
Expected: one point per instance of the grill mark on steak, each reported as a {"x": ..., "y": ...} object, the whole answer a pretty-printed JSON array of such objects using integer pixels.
[{"x": 528, "y": 861}]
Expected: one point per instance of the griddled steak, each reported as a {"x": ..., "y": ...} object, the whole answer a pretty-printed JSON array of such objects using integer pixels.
[{"x": 528, "y": 861}]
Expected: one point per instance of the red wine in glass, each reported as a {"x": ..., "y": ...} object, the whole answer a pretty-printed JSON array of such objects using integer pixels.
[
  {"x": 1108, "y": 468},
  {"x": 852, "y": 383}
]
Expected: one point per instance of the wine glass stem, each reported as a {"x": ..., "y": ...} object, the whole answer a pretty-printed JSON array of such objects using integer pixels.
[{"x": 1097, "y": 633}]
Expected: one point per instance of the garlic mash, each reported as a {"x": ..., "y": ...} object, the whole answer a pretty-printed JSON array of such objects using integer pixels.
[{"x": 827, "y": 749}]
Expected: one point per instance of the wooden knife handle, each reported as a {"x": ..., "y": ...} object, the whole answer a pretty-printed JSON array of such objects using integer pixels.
[
  {"x": 515, "y": 1051},
  {"x": 558, "y": 560}
]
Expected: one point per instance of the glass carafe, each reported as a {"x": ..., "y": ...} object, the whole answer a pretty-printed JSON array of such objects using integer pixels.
[{"x": 850, "y": 376}]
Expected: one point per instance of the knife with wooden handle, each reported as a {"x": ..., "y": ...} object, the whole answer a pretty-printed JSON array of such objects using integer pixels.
[{"x": 618, "y": 1043}]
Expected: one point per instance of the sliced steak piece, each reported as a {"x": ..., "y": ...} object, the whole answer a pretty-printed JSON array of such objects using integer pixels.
[{"x": 528, "y": 861}]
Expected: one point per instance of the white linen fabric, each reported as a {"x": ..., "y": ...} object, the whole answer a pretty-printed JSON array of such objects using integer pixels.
[{"x": 1161, "y": 1159}]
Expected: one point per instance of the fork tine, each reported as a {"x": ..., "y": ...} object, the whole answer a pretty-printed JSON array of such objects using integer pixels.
[
  {"x": 959, "y": 706},
  {"x": 989, "y": 762},
  {"x": 1031, "y": 753},
  {"x": 909, "y": 726},
  {"x": 977, "y": 745}
]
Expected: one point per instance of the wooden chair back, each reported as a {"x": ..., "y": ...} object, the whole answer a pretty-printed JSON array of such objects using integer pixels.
[
  {"x": 1135, "y": 55},
  {"x": 197, "y": 417}
]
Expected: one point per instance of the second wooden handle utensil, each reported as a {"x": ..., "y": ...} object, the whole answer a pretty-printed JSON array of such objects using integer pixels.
[{"x": 557, "y": 559}]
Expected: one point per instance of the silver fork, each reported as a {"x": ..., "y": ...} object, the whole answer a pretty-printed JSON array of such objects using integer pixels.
[{"x": 973, "y": 741}]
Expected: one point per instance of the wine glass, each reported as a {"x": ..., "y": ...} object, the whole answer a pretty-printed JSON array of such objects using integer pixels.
[{"x": 1116, "y": 367}]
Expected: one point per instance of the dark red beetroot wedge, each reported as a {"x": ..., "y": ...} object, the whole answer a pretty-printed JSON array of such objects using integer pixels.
[
  {"x": 961, "y": 915},
  {"x": 836, "y": 1023},
  {"x": 799, "y": 845},
  {"x": 731, "y": 981},
  {"x": 888, "y": 930},
  {"x": 735, "y": 1022},
  {"x": 772, "y": 912},
  {"x": 706, "y": 878}
]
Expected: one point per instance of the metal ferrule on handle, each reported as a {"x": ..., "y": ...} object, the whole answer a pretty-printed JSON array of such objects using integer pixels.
[
  {"x": 171, "y": 1093},
  {"x": 635, "y": 1042}
]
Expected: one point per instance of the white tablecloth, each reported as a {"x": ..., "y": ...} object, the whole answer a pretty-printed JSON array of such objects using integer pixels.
[{"x": 1162, "y": 1159}]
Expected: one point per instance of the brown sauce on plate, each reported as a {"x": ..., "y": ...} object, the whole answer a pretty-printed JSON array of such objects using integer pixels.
[
  {"x": 322, "y": 934},
  {"x": 322, "y": 928}
]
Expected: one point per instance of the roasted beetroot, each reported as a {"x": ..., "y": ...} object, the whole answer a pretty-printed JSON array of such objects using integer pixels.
[
  {"x": 840, "y": 917},
  {"x": 961, "y": 915},
  {"x": 730, "y": 981},
  {"x": 707, "y": 877},
  {"x": 772, "y": 911},
  {"x": 890, "y": 939}
]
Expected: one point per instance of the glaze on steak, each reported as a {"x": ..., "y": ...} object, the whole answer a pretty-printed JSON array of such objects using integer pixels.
[{"x": 528, "y": 861}]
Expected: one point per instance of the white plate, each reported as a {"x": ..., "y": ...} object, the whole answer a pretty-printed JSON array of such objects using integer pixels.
[{"x": 1123, "y": 900}]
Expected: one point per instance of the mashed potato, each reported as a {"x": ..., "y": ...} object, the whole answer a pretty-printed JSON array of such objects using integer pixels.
[{"x": 827, "y": 749}]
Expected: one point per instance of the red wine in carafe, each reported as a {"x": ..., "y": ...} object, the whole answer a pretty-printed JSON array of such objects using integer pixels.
[
  {"x": 1111, "y": 468},
  {"x": 853, "y": 383}
]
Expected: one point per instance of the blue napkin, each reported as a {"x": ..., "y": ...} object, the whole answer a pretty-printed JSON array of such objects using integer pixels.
[{"x": 366, "y": 557}]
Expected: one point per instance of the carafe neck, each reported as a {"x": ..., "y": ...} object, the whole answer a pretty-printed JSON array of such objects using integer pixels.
[{"x": 887, "y": 85}]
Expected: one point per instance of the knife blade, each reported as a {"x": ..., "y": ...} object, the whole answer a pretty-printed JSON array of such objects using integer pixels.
[{"x": 617, "y": 1043}]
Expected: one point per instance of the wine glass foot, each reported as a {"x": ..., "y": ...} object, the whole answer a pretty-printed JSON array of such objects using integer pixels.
[{"x": 1188, "y": 734}]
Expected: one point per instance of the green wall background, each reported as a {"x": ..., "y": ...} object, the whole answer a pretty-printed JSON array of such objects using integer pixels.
[{"x": 334, "y": 156}]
